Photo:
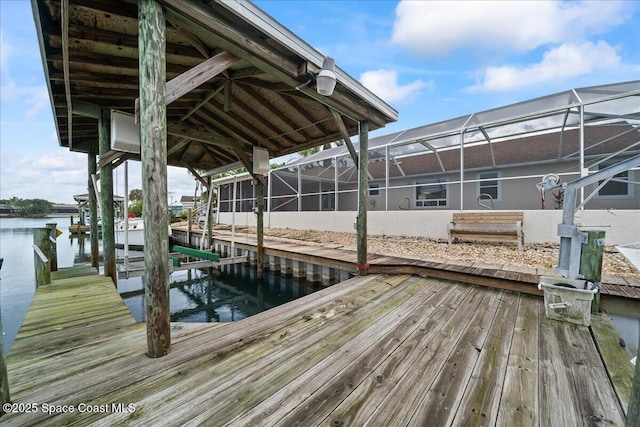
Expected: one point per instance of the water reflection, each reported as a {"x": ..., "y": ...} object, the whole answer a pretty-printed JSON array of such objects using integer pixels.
[{"x": 212, "y": 295}]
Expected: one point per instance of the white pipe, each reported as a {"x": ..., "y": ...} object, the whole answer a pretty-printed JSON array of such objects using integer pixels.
[
  {"x": 269, "y": 190},
  {"x": 233, "y": 215},
  {"x": 386, "y": 179},
  {"x": 126, "y": 216},
  {"x": 95, "y": 190},
  {"x": 583, "y": 173},
  {"x": 206, "y": 221},
  {"x": 462, "y": 170}
]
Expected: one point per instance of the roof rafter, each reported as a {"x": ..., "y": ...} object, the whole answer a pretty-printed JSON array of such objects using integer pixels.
[{"x": 185, "y": 131}]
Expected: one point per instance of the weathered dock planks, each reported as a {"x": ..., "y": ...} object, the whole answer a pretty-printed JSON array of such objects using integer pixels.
[{"x": 376, "y": 350}]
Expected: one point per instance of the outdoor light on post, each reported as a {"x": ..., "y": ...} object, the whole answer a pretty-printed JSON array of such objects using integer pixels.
[{"x": 326, "y": 79}]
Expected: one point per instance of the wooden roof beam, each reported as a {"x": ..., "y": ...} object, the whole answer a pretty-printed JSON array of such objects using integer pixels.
[
  {"x": 281, "y": 124},
  {"x": 345, "y": 135},
  {"x": 184, "y": 131},
  {"x": 243, "y": 45},
  {"x": 247, "y": 163},
  {"x": 86, "y": 109},
  {"x": 177, "y": 146},
  {"x": 198, "y": 177},
  {"x": 234, "y": 126},
  {"x": 312, "y": 121},
  {"x": 195, "y": 77},
  {"x": 122, "y": 46},
  {"x": 226, "y": 157},
  {"x": 261, "y": 54},
  {"x": 65, "y": 68},
  {"x": 109, "y": 157},
  {"x": 198, "y": 75},
  {"x": 195, "y": 42},
  {"x": 203, "y": 102}
]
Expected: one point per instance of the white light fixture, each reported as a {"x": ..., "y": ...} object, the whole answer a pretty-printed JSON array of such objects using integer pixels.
[
  {"x": 260, "y": 161},
  {"x": 125, "y": 132},
  {"x": 326, "y": 79}
]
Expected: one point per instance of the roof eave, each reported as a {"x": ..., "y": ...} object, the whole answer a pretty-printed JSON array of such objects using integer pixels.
[{"x": 265, "y": 23}]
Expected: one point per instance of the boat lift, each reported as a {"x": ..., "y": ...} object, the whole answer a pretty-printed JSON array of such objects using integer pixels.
[
  {"x": 181, "y": 258},
  {"x": 571, "y": 237}
]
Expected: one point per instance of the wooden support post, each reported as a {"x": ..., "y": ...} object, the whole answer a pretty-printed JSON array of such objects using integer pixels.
[
  {"x": 153, "y": 138},
  {"x": 363, "y": 192},
  {"x": 93, "y": 210},
  {"x": 591, "y": 262},
  {"x": 53, "y": 247},
  {"x": 41, "y": 256},
  {"x": 260, "y": 226},
  {"x": 106, "y": 199},
  {"x": 4, "y": 377}
]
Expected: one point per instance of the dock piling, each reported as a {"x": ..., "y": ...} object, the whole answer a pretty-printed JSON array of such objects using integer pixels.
[
  {"x": 41, "y": 256},
  {"x": 53, "y": 246},
  {"x": 153, "y": 139}
]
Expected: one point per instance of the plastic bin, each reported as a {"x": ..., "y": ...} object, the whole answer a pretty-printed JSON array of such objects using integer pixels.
[{"x": 565, "y": 303}]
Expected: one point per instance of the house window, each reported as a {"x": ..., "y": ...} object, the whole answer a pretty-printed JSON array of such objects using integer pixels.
[
  {"x": 431, "y": 194},
  {"x": 489, "y": 184},
  {"x": 615, "y": 188},
  {"x": 374, "y": 189},
  {"x": 328, "y": 201}
]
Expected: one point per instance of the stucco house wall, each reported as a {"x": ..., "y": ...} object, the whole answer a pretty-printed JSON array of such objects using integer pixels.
[{"x": 540, "y": 226}]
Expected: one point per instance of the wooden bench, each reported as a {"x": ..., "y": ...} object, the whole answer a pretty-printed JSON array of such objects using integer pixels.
[{"x": 487, "y": 226}]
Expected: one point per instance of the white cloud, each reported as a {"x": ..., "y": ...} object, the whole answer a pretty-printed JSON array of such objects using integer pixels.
[
  {"x": 384, "y": 83},
  {"x": 7, "y": 85},
  {"x": 5, "y": 51},
  {"x": 437, "y": 27},
  {"x": 558, "y": 64},
  {"x": 54, "y": 175},
  {"x": 37, "y": 102},
  {"x": 180, "y": 182}
]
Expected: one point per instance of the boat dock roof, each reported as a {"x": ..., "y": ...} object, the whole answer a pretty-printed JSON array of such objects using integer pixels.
[{"x": 380, "y": 349}]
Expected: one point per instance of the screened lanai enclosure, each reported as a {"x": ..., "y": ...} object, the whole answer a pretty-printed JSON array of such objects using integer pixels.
[{"x": 494, "y": 159}]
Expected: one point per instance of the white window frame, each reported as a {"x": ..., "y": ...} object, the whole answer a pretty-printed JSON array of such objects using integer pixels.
[
  {"x": 423, "y": 203},
  {"x": 374, "y": 187},
  {"x": 498, "y": 175},
  {"x": 629, "y": 193}
]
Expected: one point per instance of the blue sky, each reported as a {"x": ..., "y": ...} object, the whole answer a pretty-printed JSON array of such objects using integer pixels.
[{"x": 430, "y": 60}]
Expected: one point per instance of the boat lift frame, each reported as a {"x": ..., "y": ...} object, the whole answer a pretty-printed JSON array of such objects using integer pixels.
[
  {"x": 181, "y": 258},
  {"x": 571, "y": 237}
]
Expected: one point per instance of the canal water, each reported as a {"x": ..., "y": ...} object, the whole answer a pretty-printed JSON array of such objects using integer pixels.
[{"x": 225, "y": 295}]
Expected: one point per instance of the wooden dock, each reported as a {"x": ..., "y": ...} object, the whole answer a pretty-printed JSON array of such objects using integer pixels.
[
  {"x": 620, "y": 295},
  {"x": 376, "y": 350}
]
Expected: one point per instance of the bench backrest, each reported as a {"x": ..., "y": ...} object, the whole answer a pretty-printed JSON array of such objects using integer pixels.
[{"x": 487, "y": 217}]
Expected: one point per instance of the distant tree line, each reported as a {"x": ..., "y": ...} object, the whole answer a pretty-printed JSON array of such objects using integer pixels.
[{"x": 28, "y": 207}]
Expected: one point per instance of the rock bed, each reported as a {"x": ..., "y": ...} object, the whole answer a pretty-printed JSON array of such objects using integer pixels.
[{"x": 538, "y": 255}]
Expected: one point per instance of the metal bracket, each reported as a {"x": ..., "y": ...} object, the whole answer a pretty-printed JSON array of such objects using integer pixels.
[{"x": 577, "y": 238}]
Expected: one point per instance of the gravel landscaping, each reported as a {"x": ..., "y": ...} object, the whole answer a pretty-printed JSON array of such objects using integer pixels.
[{"x": 537, "y": 255}]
